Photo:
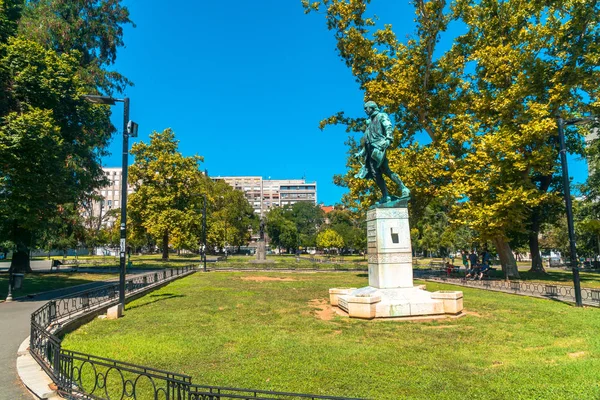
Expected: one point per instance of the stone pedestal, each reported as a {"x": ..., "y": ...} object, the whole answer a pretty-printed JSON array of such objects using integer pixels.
[
  {"x": 261, "y": 251},
  {"x": 389, "y": 248},
  {"x": 261, "y": 254},
  {"x": 391, "y": 292}
]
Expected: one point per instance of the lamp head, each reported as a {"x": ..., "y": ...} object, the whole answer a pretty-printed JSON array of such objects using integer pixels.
[{"x": 92, "y": 98}]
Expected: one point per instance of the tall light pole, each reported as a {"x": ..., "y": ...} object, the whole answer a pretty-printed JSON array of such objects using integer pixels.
[
  {"x": 130, "y": 128},
  {"x": 204, "y": 231},
  {"x": 570, "y": 225}
]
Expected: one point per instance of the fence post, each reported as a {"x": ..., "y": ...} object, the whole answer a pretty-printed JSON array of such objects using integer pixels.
[
  {"x": 52, "y": 308},
  {"x": 56, "y": 361}
]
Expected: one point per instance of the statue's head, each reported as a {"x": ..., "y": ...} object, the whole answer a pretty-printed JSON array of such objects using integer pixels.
[{"x": 371, "y": 107}]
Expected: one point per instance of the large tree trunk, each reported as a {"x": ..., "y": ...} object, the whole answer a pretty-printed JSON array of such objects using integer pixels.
[
  {"x": 534, "y": 248},
  {"x": 507, "y": 259},
  {"x": 165, "y": 246},
  {"x": 20, "y": 262},
  {"x": 20, "y": 258},
  {"x": 534, "y": 245},
  {"x": 543, "y": 184}
]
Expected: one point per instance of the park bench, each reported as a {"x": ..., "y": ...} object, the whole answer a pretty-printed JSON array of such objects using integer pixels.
[
  {"x": 47, "y": 265},
  {"x": 42, "y": 265}
]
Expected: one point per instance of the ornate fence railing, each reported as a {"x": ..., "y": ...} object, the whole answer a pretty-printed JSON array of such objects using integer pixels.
[
  {"x": 85, "y": 376},
  {"x": 565, "y": 293}
]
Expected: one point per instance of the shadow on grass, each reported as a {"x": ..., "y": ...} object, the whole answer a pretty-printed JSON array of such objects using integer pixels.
[
  {"x": 156, "y": 298},
  {"x": 565, "y": 277},
  {"x": 38, "y": 283},
  {"x": 566, "y": 303}
]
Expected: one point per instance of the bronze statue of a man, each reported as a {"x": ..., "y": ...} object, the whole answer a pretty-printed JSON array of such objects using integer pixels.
[{"x": 378, "y": 137}]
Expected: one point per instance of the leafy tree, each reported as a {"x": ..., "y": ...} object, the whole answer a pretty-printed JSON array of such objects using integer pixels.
[
  {"x": 329, "y": 239},
  {"x": 281, "y": 228},
  {"x": 488, "y": 103},
  {"x": 307, "y": 217},
  {"x": 554, "y": 236},
  {"x": 51, "y": 141},
  {"x": 288, "y": 238},
  {"x": 230, "y": 216},
  {"x": 350, "y": 227},
  {"x": 10, "y": 13},
  {"x": 93, "y": 28},
  {"x": 591, "y": 227},
  {"x": 165, "y": 202},
  {"x": 65, "y": 231}
]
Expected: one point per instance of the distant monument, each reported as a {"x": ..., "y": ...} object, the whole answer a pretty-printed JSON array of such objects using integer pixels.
[
  {"x": 261, "y": 248},
  {"x": 391, "y": 292}
]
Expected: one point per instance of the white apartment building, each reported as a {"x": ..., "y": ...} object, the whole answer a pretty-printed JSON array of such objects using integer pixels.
[
  {"x": 111, "y": 195},
  {"x": 264, "y": 194}
]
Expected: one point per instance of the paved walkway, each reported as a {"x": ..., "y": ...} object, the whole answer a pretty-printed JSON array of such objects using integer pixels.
[{"x": 15, "y": 320}]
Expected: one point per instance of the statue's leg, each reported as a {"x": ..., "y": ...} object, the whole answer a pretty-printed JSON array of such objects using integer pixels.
[
  {"x": 383, "y": 187},
  {"x": 396, "y": 179},
  {"x": 375, "y": 172}
]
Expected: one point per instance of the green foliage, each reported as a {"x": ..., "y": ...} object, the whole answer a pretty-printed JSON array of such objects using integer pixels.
[
  {"x": 350, "y": 226},
  {"x": 65, "y": 231},
  {"x": 329, "y": 239},
  {"x": 434, "y": 232},
  {"x": 281, "y": 228},
  {"x": 230, "y": 216},
  {"x": 93, "y": 28},
  {"x": 296, "y": 225},
  {"x": 307, "y": 217},
  {"x": 488, "y": 103},
  {"x": 166, "y": 202},
  {"x": 51, "y": 140},
  {"x": 10, "y": 12}
]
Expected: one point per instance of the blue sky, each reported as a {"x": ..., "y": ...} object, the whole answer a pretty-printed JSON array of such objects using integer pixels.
[{"x": 244, "y": 84}]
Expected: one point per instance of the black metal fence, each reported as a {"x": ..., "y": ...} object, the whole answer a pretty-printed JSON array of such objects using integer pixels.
[
  {"x": 85, "y": 376},
  {"x": 565, "y": 293}
]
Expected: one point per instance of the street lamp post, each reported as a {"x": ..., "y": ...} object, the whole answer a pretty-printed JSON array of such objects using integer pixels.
[
  {"x": 570, "y": 225},
  {"x": 130, "y": 128},
  {"x": 204, "y": 231}
]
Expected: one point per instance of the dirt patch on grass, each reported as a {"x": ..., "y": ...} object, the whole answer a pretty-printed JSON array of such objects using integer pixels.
[
  {"x": 473, "y": 313},
  {"x": 324, "y": 310},
  {"x": 441, "y": 326},
  {"x": 267, "y": 279},
  {"x": 577, "y": 354}
]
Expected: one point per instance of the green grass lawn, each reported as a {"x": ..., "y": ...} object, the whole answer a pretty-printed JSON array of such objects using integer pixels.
[
  {"x": 289, "y": 262},
  {"x": 37, "y": 283},
  {"x": 151, "y": 261},
  {"x": 275, "y": 331}
]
